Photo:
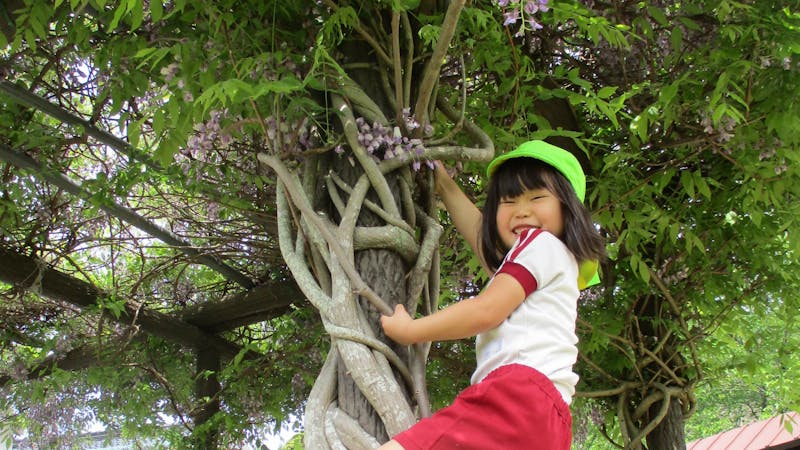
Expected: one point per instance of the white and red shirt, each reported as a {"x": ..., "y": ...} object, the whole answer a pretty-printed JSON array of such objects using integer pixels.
[{"x": 540, "y": 333}]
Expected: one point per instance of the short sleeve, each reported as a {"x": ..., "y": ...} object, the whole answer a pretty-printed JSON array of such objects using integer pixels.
[{"x": 537, "y": 259}]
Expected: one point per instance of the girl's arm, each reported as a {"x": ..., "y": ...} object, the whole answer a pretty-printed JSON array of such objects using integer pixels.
[
  {"x": 460, "y": 320},
  {"x": 465, "y": 215}
]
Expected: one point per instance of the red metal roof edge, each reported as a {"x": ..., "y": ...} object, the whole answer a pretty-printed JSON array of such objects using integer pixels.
[{"x": 753, "y": 433}]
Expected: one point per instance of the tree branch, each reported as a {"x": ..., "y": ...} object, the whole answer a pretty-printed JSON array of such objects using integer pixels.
[
  {"x": 265, "y": 301},
  {"x": 352, "y": 435},
  {"x": 25, "y": 97},
  {"x": 20, "y": 270},
  {"x": 371, "y": 170},
  {"x": 58, "y": 179},
  {"x": 295, "y": 192},
  {"x": 338, "y": 332},
  {"x": 432, "y": 69},
  {"x": 322, "y": 394}
]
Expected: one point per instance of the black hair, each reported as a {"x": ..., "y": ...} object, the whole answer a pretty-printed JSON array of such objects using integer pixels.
[{"x": 515, "y": 176}]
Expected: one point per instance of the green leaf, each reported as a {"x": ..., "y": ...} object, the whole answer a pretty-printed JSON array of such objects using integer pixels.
[
  {"x": 719, "y": 89},
  {"x": 606, "y": 92},
  {"x": 405, "y": 5},
  {"x": 151, "y": 56},
  {"x": 676, "y": 39},
  {"x": 429, "y": 34},
  {"x": 690, "y": 24},
  {"x": 156, "y": 10},
  {"x": 687, "y": 181},
  {"x": 285, "y": 85},
  {"x": 120, "y": 11},
  {"x": 133, "y": 133},
  {"x": 333, "y": 28},
  {"x": 37, "y": 27},
  {"x": 667, "y": 93},
  {"x": 702, "y": 186},
  {"x": 167, "y": 148},
  {"x": 644, "y": 272},
  {"x": 137, "y": 15},
  {"x": 658, "y": 15},
  {"x": 640, "y": 126}
]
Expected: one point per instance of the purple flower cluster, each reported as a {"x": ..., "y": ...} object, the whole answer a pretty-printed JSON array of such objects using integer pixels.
[
  {"x": 524, "y": 12},
  {"x": 297, "y": 136},
  {"x": 384, "y": 143},
  {"x": 206, "y": 135},
  {"x": 724, "y": 133}
]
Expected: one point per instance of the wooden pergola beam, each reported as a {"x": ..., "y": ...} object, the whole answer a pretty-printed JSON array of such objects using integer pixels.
[{"x": 30, "y": 273}]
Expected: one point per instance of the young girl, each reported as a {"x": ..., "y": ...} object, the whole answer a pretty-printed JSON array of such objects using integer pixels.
[{"x": 538, "y": 239}]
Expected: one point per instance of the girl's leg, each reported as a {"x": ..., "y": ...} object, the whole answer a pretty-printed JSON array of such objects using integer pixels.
[{"x": 391, "y": 445}]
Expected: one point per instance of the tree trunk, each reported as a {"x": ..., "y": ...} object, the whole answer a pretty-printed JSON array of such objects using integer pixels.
[
  {"x": 666, "y": 390},
  {"x": 669, "y": 434},
  {"x": 360, "y": 238},
  {"x": 384, "y": 271}
]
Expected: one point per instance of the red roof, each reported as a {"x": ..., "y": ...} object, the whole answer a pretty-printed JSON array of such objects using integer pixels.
[{"x": 770, "y": 433}]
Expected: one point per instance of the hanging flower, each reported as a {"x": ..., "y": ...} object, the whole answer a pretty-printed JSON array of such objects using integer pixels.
[{"x": 524, "y": 12}]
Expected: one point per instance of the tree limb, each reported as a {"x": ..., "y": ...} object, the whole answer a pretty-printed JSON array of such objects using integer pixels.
[
  {"x": 265, "y": 301},
  {"x": 349, "y": 431},
  {"x": 58, "y": 179},
  {"x": 432, "y": 69},
  {"x": 20, "y": 270},
  {"x": 370, "y": 167},
  {"x": 322, "y": 394},
  {"x": 25, "y": 97},
  {"x": 292, "y": 187}
]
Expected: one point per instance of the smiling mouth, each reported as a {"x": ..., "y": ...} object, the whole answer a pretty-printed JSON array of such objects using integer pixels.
[{"x": 519, "y": 229}]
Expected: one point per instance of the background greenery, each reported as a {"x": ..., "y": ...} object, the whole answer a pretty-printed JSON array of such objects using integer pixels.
[{"x": 684, "y": 114}]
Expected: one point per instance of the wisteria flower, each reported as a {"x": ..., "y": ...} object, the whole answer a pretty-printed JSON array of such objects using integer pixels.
[
  {"x": 534, "y": 24},
  {"x": 524, "y": 11},
  {"x": 510, "y": 17}
]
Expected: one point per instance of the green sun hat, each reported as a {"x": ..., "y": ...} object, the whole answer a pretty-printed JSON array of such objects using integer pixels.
[
  {"x": 557, "y": 157},
  {"x": 566, "y": 163}
]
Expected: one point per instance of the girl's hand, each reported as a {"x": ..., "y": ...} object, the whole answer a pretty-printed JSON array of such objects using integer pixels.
[
  {"x": 443, "y": 177},
  {"x": 398, "y": 326}
]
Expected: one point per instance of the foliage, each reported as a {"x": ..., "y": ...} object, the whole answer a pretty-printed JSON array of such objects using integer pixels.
[
  {"x": 753, "y": 370},
  {"x": 680, "y": 111}
]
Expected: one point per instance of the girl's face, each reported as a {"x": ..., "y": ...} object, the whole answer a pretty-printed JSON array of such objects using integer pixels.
[{"x": 534, "y": 208}]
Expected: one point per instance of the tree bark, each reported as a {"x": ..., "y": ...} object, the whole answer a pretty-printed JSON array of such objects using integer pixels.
[
  {"x": 383, "y": 271},
  {"x": 669, "y": 434}
]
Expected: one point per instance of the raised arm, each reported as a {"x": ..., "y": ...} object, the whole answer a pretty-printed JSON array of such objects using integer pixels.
[{"x": 465, "y": 215}]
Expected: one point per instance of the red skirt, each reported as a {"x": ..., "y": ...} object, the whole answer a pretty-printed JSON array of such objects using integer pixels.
[{"x": 514, "y": 407}]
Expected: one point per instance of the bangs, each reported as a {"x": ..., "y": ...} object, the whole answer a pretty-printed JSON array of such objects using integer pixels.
[{"x": 517, "y": 175}]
